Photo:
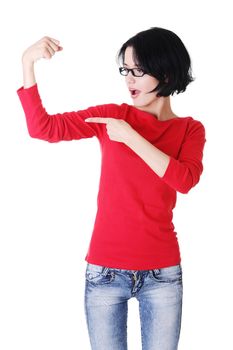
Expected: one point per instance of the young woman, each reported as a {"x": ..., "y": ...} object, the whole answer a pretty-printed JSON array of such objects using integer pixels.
[{"x": 148, "y": 154}]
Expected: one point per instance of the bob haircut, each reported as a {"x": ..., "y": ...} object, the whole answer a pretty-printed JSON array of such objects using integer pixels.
[{"x": 161, "y": 53}]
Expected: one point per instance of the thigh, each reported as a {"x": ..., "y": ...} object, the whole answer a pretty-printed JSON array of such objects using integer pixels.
[
  {"x": 160, "y": 304},
  {"x": 106, "y": 309}
]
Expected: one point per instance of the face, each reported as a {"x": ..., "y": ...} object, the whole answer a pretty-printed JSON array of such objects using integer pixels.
[{"x": 140, "y": 86}]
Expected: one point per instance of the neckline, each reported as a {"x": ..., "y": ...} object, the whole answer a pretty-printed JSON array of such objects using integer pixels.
[{"x": 154, "y": 117}]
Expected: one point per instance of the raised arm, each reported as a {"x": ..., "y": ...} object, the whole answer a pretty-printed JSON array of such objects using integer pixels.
[{"x": 57, "y": 127}]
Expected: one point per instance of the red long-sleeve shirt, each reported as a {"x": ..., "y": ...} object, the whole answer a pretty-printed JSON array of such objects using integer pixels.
[{"x": 133, "y": 228}]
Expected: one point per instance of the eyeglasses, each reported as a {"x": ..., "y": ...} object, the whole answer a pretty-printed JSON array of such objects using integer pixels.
[{"x": 137, "y": 72}]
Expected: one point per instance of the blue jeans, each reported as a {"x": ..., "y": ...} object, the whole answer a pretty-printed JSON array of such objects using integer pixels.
[{"x": 159, "y": 293}]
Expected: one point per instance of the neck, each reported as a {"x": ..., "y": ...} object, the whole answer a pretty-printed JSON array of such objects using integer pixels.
[{"x": 160, "y": 108}]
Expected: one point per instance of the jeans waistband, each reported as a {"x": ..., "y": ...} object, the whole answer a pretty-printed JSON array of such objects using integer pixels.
[{"x": 104, "y": 269}]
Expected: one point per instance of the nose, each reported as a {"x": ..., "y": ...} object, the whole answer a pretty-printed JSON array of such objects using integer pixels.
[{"x": 130, "y": 78}]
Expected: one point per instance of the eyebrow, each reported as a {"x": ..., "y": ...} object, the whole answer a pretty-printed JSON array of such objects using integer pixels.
[{"x": 125, "y": 64}]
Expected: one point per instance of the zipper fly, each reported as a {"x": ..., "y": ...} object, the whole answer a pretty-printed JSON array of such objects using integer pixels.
[
  {"x": 135, "y": 276},
  {"x": 137, "y": 282}
]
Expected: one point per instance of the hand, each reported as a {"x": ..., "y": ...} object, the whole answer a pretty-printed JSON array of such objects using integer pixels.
[
  {"x": 44, "y": 48},
  {"x": 117, "y": 129}
]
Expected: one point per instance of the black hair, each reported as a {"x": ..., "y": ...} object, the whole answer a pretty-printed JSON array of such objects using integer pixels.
[{"x": 161, "y": 54}]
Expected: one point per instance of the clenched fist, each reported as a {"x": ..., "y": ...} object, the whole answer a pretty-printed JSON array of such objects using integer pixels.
[{"x": 44, "y": 48}]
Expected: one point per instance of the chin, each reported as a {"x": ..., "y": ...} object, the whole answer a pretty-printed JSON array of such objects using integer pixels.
[{"x": 139, "y": 104}]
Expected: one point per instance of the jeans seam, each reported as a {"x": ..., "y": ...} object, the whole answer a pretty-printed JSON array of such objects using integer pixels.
[{"x": 140, "y": 314}]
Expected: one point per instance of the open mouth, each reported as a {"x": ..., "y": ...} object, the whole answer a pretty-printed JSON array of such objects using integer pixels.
[{"x": 134, "y": 93}]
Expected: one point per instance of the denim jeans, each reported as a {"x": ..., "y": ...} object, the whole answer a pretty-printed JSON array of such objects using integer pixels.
[{"x": 159, "y": 293}]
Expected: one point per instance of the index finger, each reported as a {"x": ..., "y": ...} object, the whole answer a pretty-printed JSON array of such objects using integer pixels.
[
  {"x": 98, "y": 120},
  {"x": 57, "y": 42}
]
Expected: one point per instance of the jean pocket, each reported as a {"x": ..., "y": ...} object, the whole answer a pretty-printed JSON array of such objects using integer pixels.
[
  {"x": 96, "y": 274},
  {"x": 172, "y": 274}
]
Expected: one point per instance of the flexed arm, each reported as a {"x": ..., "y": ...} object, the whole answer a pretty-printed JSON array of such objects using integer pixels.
[{"x": 57, "y": 127}]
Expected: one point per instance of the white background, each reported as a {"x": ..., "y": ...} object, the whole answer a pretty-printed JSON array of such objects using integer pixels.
[{"x": 48, "y": 191}]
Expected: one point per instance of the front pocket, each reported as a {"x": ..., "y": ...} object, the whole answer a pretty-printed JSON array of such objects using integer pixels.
[
  {"x": 171, "y": 274},
  {"x": 99, "y": 276}
]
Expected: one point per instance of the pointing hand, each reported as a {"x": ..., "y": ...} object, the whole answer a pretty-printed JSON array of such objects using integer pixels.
[{"x": 117, "y": 129}]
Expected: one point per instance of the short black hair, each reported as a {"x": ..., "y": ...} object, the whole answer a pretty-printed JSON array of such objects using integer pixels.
[{"x": 161, "y": 54}]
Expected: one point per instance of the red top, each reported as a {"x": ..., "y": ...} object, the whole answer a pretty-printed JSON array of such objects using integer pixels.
[{"x": 133, "y": 228}]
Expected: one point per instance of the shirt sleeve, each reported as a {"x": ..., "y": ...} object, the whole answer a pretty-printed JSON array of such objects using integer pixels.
[
  {"x": 62, "y": 126},
  {"x": 184, "y": 172}
]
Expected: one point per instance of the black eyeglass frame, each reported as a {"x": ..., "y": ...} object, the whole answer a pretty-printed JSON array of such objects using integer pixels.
[{"x": 132, "y": 70}]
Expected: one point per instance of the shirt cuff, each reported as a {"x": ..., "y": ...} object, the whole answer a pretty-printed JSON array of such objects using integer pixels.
[{"x": 31, "y": 88}]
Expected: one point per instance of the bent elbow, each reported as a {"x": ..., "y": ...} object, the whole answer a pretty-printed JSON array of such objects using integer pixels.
[
  {"x": 186, "y": 184},
  {"x": 184, "y": 189},
  {"x": 41, "y": 137},
  {"x": 32, "y": 134}
]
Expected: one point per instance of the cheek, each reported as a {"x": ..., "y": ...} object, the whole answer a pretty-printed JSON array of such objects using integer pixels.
[{"x": 149, "y": 83}]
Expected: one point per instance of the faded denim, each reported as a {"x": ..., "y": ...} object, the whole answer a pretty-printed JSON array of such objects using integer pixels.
[{"x": 159, "y": 293}]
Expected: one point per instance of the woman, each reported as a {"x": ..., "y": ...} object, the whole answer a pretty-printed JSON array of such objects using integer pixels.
[{"x": 148, "y": 154}]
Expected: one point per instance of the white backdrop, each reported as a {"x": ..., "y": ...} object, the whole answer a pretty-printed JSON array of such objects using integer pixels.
[{"x": 48, "y": 191}]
